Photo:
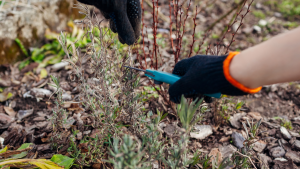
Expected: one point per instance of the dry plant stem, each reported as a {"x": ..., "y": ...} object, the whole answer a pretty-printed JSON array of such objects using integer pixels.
[
  {"x": 161, "y": 15},
  {"x": 229, "y": 26},
  {"x": 143, "y": 37},
  {"x": 243, "y": 156},
  {"x": 203, "y": 40},
  {"x": 224, "y": 16},
  {"x": 195, "y": 25},
  {"x": 171, "y": 23},
  {"x": 154, "y": 27}
]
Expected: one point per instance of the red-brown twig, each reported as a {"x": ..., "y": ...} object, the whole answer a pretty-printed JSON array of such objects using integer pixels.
[{"x": 195, "y": 25}]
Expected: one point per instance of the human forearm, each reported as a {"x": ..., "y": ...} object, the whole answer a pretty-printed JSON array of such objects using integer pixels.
[{"x": 274, "y": 61}]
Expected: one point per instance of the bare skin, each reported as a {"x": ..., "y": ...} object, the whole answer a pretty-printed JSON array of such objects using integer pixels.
[{"x": 274, "y": 61}]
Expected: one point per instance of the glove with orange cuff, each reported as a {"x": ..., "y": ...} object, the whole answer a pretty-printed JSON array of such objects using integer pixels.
[{"x": 204, "y": 74}]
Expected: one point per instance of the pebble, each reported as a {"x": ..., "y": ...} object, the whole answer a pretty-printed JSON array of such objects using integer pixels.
[
  {"x": 259, "y": 146},
  {"x": 297, "y": 145},
  {"x": 278, "y": 14},
  {"x": 238, "y": 140},
  {"x": 201, "y": 132},
  {"x": 235, "y": 120},
  {"x": 257, "y": 29},
  {"x": 59, "y": 66},
  {"x": 293, "y": 156},
  {"x": 280, "y": 159},
  {"x": 258, "y": 5},
  {"x": 66, "y": 97},
  {"x": 277, "y": 152},
  {"x": 285, "y": 133},
  {"x": 262, "y": 22},
  {"x": 227, "y": 151}
]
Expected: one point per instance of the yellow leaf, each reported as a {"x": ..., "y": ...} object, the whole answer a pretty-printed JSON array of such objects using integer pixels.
[
  {"x": 43, "y": 73},
  {"x": 3, "y": 150},
  {"x": 41, "y": 163},
  {"x": 9, "y": 95}
]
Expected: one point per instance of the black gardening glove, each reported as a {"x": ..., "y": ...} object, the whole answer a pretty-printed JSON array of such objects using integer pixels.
[
  {"x": 124, "y": 15},
  {"x": 204, "y": 74}
]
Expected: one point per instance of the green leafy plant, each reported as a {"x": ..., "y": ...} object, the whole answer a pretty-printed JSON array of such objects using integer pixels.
[{"x": 186, "y": 113}]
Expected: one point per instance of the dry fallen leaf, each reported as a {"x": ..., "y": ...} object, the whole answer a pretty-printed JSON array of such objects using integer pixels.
[{"x": 10, "y": 111}]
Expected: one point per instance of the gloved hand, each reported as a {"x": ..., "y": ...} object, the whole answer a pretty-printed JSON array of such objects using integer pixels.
[
  {"x": 124, "y": 15},
  {"x": 204, "y": 74}
]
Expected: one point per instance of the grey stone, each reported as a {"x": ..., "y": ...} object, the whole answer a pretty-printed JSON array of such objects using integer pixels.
[
  {"x": 297, "y": 145},
  {"x": 281, "y": 159},
  {"x": 257, "y": 29},
  {"x": 262, "y": 22},
  {"x": 201, "y": 132},
  {"x": 59, "y": 66},
  {"x": 259, "y": 146},
  {"x": 293, "y": 156},
  {"x": 238, "y": 140},
  {"x": 258, "y": 5},
  {"x": 227, "y": 151},
  {"x": 235, "y": 120},
  {"x": 278, "y": 14},
  {"x": 66, "y": 97},
  {"x": 277, "y": 152},
  {"x": 285, "y": 133}
]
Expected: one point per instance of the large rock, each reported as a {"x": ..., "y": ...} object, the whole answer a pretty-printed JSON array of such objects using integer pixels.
[{"x": 29, "y": 23}]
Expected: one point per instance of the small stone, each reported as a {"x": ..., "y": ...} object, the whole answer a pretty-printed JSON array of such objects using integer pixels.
[
  {"x": 277, "y": 14},
  {"x": 256, "y": 29},
  {"x": 293, "y": 156},
  {"x": 264, "y": 160},
  {"x": 297, "y": 145},
  {"x": 285, "y": 133},
  {"x": 280, "y": 159},
  {"x": 259, "y": 146},
  {"x": 66, "y": 97},
  {"x": 201, "y": 132},
  {"x": 262, "y": 22},
  {"x": 255, "y": 115},
  {"x": 258, "y": 5},
  {"x": 59, "y": 66},
  {"x": 277, "y": 152},
  {"x": 215, "y": 153},
  {"x": 235, "y": 120},
  {"x": 227, "y": 151},
  {"x": 238, "y": 140}
]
